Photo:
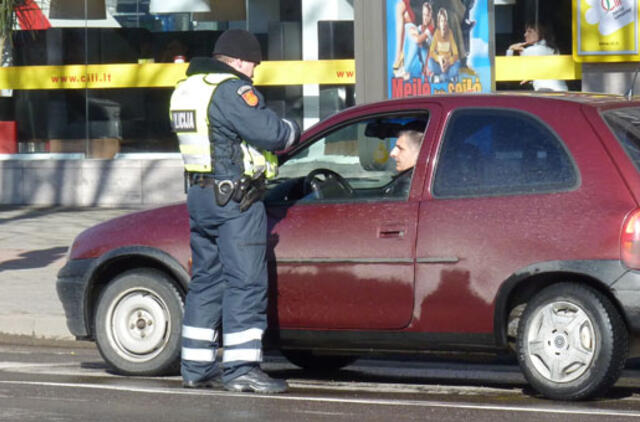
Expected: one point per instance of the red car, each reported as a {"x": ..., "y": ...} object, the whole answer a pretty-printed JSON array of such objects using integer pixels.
[{"x": 519, "y": 228}]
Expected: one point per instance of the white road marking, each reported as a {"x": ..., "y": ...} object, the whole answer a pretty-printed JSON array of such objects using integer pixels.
[
  {"x": 292, "y": 397},
  {"x": 25, "y": 367},
  {"x": 356, "y": 386}
]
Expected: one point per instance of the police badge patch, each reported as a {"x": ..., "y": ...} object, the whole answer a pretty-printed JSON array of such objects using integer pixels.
[
  {"x": 183, "y": 120},
  {"x": 248, "y": 95}
]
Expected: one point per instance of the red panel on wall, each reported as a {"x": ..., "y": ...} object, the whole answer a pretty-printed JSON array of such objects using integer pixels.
[
  {"x": 8, "y": 137},
  {"x": 30, "y": 16}
]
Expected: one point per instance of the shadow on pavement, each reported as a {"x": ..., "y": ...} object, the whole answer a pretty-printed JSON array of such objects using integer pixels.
[
  {"x": 33, "y": 212},
  {"x": 34, "y": 259}
]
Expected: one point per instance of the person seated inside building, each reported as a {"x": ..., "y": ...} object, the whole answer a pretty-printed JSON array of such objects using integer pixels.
[{"x": 538, "y": 41}]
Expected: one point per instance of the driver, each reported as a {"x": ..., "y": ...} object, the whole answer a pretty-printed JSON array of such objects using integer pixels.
[{"x": 405, "y": 153}]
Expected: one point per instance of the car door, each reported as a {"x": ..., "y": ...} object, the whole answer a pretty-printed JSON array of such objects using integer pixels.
[
  {"x": 505, "y": 195},
  {"x": 345, "y": 261}
]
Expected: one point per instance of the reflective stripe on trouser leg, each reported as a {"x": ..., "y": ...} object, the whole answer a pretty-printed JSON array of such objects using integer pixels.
[
  {"x": 202, "y": 342},
  {"x": 198, "y": 354},
  {"x": 203, "y": 304},
  {"x": 243, "y": 253},
  {"x": 244, "y": 346}
]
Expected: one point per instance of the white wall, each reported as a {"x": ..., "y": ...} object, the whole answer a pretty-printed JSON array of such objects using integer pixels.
[
  {"x": 312, "y": 12},
  {"x": 91, "y": 182}
]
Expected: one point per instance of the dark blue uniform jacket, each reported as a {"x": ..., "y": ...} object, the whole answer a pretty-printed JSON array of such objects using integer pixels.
[{"x": 234, "y": 117}]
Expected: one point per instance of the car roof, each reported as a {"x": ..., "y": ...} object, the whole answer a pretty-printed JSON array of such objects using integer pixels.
[
  {"x": 595, "y": 99},
  {"x": 497, "y": 99},
  {"x": 587, "y": 98}
]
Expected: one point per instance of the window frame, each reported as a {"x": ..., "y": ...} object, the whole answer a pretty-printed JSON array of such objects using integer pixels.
[
  {"x": 308, "y": 143},
  {"x": 493, "y": 110},
  {"x": 623, "y": 144}
]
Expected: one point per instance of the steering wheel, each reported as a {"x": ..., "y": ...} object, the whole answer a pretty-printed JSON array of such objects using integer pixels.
[{"x": 325, "y": 183}]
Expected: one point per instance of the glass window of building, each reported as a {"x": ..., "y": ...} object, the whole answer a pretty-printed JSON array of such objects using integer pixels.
[
  {"x": 77, "y": 48},
  {"x": 532, "y": 25}
]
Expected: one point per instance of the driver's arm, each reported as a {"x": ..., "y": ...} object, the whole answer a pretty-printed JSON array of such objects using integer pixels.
[{"x": 399, "y": 186}]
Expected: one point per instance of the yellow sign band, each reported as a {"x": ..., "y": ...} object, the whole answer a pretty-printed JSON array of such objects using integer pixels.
[
  {"x": 269, "y": 73},
  {"x": 323, "y": 72},
  {"x": 148, "y": 75},
  {"x": 528, "y": 68},
  {"x": 91, "y": 76}
]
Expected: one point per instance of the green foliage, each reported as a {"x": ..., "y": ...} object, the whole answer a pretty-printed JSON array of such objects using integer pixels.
[{"x": 8, "y": 16}]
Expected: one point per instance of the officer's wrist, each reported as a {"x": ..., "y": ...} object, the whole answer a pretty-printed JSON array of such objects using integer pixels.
[{"x": 294, "y": 133}]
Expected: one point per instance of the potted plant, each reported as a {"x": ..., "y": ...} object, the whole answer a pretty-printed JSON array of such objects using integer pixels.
[{"x": 7, "y": 25}]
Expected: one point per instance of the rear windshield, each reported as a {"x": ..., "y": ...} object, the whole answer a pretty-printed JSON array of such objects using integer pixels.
[{"x": 625, "y": 125}]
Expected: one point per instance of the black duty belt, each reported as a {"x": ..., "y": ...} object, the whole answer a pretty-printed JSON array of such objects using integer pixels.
[
  {"x": 200, "y": 179},
  {"x": 245, "y": 190}
]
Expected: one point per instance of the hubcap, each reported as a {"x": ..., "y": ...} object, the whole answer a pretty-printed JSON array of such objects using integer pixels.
[
  {"x": 138, "y": 325},
  {"x": 561, "y": 341}
]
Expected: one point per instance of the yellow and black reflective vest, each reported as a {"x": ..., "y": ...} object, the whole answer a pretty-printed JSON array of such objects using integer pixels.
[{"x": 189, "y": 113}]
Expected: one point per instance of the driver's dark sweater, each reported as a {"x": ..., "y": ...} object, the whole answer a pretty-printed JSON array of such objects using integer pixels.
[{"x": 400, "y": 184}]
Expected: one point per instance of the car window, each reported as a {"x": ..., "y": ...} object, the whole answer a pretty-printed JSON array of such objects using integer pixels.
[
  {"x": 356, "y": 154},
  {"x": 494, "y": 152},
  {"x": 625, "y": 125}
]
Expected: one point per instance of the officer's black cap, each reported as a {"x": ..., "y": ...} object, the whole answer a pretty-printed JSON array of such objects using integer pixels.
[{"x": 239, "y": 44}]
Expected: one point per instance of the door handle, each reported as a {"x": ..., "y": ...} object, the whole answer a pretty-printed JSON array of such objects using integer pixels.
[{"x": 391, "y": 232}]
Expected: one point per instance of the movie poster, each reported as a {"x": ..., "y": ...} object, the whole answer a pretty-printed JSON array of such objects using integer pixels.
[{"x": 437, "y": 46}]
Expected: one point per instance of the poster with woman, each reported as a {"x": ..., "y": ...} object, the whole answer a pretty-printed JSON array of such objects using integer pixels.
[{"x": 437, "y": 46}]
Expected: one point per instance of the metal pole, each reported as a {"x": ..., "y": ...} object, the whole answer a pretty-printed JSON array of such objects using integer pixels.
[
  {"x": 246, "y": 13},
  {"x": 87, "y": 127}
]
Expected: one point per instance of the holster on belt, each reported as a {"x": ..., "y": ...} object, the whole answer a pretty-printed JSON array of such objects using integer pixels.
[
  {"x": 253, "y": 190},
  {"x": 224, "y": 190},
  {"x": 245, "y": 190}
]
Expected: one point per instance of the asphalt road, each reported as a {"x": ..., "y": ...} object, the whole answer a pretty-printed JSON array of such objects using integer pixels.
[{"x": 45, "y": 383}]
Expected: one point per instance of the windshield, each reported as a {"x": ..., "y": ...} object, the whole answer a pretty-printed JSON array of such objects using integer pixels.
[{"x": 625, "y": 125}]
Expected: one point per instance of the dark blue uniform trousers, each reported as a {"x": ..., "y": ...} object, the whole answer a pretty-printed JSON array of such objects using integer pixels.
[{"x": 228, "y": 286}]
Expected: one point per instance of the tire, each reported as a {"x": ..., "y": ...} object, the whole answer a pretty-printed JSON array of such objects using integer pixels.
[
  {"x": 306, "y": 359},
  {"x": 572, "y": 343},
  {"x": 138, "y": 323}
]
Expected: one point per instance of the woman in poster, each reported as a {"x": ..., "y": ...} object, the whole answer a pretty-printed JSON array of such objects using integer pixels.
[
  {"x": 416, "y": 44},
  {"x": 403, "y": 15},
  {"x": 456, "y": 15},
  {"x": 444, "y": 62}
]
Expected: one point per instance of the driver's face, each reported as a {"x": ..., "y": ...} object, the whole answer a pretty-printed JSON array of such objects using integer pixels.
[{"x": 405, "y": 153}]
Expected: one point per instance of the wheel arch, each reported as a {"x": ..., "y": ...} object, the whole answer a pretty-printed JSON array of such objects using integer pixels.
[
  {"x": 523, "y": 284},
  {"x": 120, "y": 260}
]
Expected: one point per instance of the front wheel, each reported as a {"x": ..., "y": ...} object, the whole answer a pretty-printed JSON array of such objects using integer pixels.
[
  {"x": 138, "y": 323},
  {"x": 572, "y": 342}
]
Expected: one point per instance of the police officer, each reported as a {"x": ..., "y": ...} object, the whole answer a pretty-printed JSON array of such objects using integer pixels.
[{"x": 225, "y": 132}]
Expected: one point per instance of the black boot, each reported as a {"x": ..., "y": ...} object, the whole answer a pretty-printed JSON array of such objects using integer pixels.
[
  {"x": 257, "y": 381},
  {"x": 212, "y": 382}
]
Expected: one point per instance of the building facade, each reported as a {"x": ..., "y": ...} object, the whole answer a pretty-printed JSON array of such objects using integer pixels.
[{"x": 86, "y": 83}]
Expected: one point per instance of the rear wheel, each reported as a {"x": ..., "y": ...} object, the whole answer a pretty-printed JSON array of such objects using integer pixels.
[
  {"x": 307, "y": 359},
  {"x": 138, "y": 322},
  {"x": 572, "y": 343}
]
